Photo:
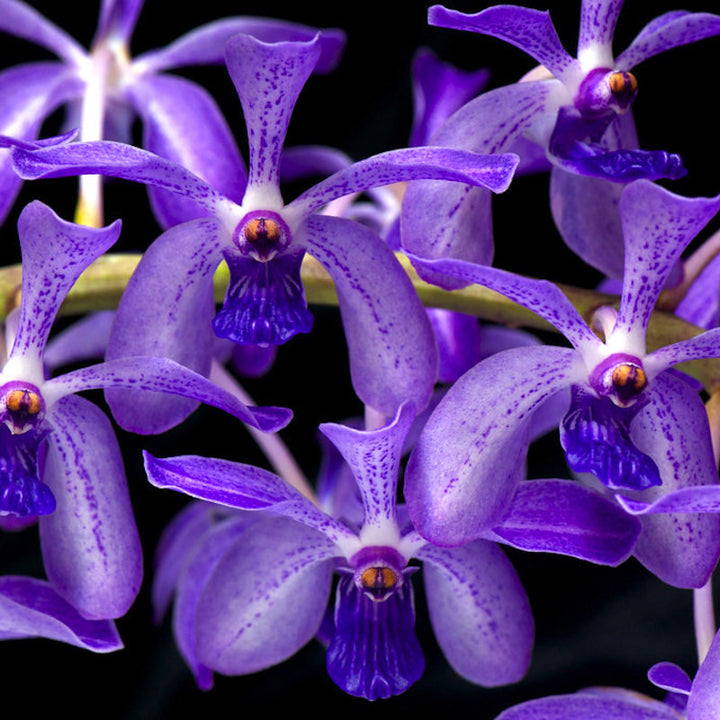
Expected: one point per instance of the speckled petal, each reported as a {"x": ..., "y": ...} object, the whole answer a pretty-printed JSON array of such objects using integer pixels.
[
  {"x": 31, "y": 608},
  {"x": 479, "y": 612},
  {"x": 463, "y": 471},
  {"x": 90, "y": 544},
  {"x": 597, "y": 27}
]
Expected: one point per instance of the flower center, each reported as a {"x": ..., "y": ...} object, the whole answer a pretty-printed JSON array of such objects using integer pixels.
[
  {"x": 21, "y": 407},
  {"x": 378, "y": 580},
  {"x": 378, "y": 572},
  {"x": 605, "y": 91},
  {"x": 621, "y": 378},
  {"x": 262, "y": 235}
]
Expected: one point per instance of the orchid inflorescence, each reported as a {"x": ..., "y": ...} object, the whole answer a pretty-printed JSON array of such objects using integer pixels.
[{"x": 427, "y": 489}]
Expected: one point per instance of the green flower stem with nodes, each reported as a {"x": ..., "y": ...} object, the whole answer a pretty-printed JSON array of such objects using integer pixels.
[{"x": 102, "y": 284}]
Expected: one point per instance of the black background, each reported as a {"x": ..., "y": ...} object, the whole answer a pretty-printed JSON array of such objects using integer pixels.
[{"x": 594, "y": 625}]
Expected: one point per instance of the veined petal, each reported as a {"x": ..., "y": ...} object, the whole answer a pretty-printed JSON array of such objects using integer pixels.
[
  {"x": 562, "y": 516},
  {"x": 23, "y": 21},
  {"x": 31, "y": 608},
  {"x": 658, "y": 225},
  {"x": 530, "y": 30},
  {"x": 268, "y": 78},
  {"x": 166, "y": 311},
  {"x": 55, "y": 253},
  {"x": 666, "y": 32},
  {"x": 266, "y": 597},
  {"x": 597, "y": 27},
  {"x": 374, "y": 457},
  {"x": 704, "y": 345},
  {"x": 392, "y": 351},
  {"x": 206, "y": 44},
  {"x": 464, "y": 469},
  {"x": 183, "y": 123},
  {"x": 492, "y": 172},
  {"x": 91, "y": 547},
  {"x": 479, "y": 612},
  {"x": 164, "y": 376}
]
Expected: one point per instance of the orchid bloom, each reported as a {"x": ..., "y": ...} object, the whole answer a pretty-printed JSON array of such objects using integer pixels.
[
  {"x": 232, "y": 619},
  {"x": 577, "y": 110},
  {"x": 636, "y": 426},
  {"x": 105, "y": 89},
  {"x": 59, "y": 459},
  {"x": 168, "y": 307}
]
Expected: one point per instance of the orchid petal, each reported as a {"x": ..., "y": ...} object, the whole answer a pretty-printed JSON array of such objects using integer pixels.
[
  {"x": 86, "y": 339},
  {"x": 392, "y": 351},
  {"x": 117, "y": 20},
  {"x": 666, "y": 32},
  {"x": 166, "y": 311},
  {"x": 701, "y": 303},
  {"x": 597, "y": 27},
  {"x": 464, "y": 469},
  {"x": 704, "y": 345},
  {"x": 268, "y": 79},
  {"x": 206, "y": 44},
  {"x": 704, "y": 699},
  {"x": 164, "y": 376},
  {"x": 479, "y": 612},
  {"x": 90, "y": 544},
  {"x": 182, "y": 122},
  {"x": 669, "y": 676},
  {"x": 249, "y": 620},
  {"x": 55, "y": 253},
  {"x": 31, "y": 608},
  {"x": 374, "y": 457},
  {"x": 561, "y": 516},
  {"x": 530, "y": 30}
]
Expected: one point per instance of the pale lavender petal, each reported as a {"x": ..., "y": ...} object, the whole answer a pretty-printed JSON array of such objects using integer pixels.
[
  {"x": 249, "y": 620},
  {"x": 303, "y": 161},
  {"x": 681, "y": 549},
  {"x": 704, "y": 345},
  {"x": 31, "y": 608},
  {"x": 86, "y": 339},
  {"x": 268, "y": 79},
  {"x": 479, "y": 612},
  {"x": 666, "y": 32},
  {"x": 91, "y": 547},
  {"x": 117, "y": 20},
  {"x": 657, "y": 225},
  {"x": 561, "y": 516},
  {"x": 530, "y": 30},
  {"x": 597, "y": 24},
  {"x": 439, "y": 89},
  {"x": 374, "y": 457},
  {"x": 181, "y": 122},
  {"x": 701, "y": 303},
  {"x": 164, "y": 376},
  {"x": 21, "y": 20},
  {"x": 669, "y": 676},
  {"x": 704, "y": 698},
  {"x": 464, "y": 469},
  {"x": 392, "y": 351},
  {"x": 206, "y": 44},
  {"x": 491, "y": 172},
  {"x": 540, "y": 296},
  {"x": 239, "y": 486},
  {"x": 166, "y": 311},
  {"x": 55, "y": 253}
]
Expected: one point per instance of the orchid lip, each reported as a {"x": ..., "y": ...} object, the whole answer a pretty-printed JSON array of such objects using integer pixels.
[
  {"x": 620, "y": 377},
  {"x": 22, "y": 407},
  {"x": 378, "y": 571},
  {"x": 262, "y": 234},
  {"x": 606, "y": 90}
]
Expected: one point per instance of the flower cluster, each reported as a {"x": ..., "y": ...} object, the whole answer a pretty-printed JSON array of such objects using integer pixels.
[{"x": 432, "y": 477}]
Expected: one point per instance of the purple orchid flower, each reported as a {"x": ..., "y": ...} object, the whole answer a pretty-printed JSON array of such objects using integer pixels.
[
  {"x": 59, "y": 458},
  {"x": 632, "y": 423},
  {"x": 576, "y": 109},
  {"x": 168, "y": 307},
  {"x": 31, "y": 608},
  {"x": 232, "y": 619},
  {"x": 698, "y": 699},
  {"x": 105, "y": 90}
]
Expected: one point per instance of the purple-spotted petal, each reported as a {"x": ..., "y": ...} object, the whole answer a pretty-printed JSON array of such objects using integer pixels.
[
  {"x": 464, "y": 469},
  {"x": 704, "y": 698},
  {"x": 561, "y": 516},
  {"x": 268, "y": 78},
  {"x": 530, "y": 30},
  {"x": 374, "y": 457},
  {"x": 166, "y": 311},
  {"x": 266, "y": 597},
  {"x": 183, "y": 123},
  {"x": 90, "y": 544},
  {"x": 374, "y": 652},
  {"x": 666, "y": 32},
  {"x": 597, "y": 27},
  {"x": 392, "y": 351},
  {"x": 704, "y": 345},
  {"x": 206, "y": 44},
  {"x": 55, "y": 253},
  {"x": 31, "y": 608},
  {"x": 163, "y": 376},
  {"x": 479, "y": 612}
]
